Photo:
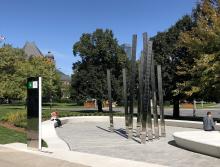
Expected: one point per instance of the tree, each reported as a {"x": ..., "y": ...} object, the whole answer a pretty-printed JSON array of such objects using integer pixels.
[
  {"x": 170, "y": 55},
  {"x": 11, "y": 81},
  {"x": 44, "y": 67},
  {"x": 203, "y": 42},
  {"x": 15, "y": 67},
  {"x": 98, "y": 51}
]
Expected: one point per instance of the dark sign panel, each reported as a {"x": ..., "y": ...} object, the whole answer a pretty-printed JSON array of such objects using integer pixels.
[{"x": 34, "y": 112}]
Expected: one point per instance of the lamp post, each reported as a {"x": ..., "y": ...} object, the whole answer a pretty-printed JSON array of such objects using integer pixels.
[
  {"x": 51, "y": 58},
  {"x": 51, "y": 101}
]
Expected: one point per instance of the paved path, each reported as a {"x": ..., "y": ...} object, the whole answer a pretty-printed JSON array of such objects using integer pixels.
[
  {"x": 14, "y": 158},
  {"x": 168, "y": 111},
  {"x": 93, "y": 137},
  {"x": 199, "y": 112},
  {"x": 60, "y": 150}
]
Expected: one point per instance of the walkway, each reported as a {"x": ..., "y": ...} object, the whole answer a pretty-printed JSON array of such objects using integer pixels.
[
  {"x": 15, "y": 158},
  {"x": 92, "y": 136}
]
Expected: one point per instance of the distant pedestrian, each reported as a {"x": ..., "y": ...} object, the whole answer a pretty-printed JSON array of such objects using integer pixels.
[
  {"x": 194, "y": 108},
  {"x": 208, "y": 122},
  {"x": 55, "y": 119}
]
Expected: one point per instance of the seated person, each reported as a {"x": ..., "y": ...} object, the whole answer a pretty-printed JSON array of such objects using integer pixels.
[
  {"x": 208, "y": 123},
  {"x": 54, "y": 117}
]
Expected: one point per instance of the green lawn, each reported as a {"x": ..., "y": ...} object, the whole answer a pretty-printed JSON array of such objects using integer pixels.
[
  {"x": 61, "y": 105},
  {"x": 6, "y": 109},
  {"x": 11, "y": 136},
  {"x": 206, "y": 105}
]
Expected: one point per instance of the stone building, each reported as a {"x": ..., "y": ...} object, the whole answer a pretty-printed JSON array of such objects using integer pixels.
[
  {"x": 31, "y": 49},
  {"x": 127, "y": 48}
]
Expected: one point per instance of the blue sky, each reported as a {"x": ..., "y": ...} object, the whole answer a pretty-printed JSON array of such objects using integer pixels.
[{"x": 55, "y": 25}]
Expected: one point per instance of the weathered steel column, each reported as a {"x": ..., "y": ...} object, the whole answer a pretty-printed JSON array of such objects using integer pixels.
[
  {"x": 125, "y": 99},
  {"x": 148, "y": 93},
  {"x": 132, "y": 85},
  {"x": 160, "y": 94},
  {"x": 110, "y": 100},
  {"x": 154, "y": 98},
  {"x": 140, "y": 94}
]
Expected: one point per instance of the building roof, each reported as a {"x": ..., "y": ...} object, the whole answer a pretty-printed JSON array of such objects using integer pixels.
[
  {"x": 31, "y": 49},
  {"x": 63, "y": 77}
]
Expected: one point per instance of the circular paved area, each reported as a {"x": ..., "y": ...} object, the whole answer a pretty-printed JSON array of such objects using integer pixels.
[{"x": 94, "y": 137}]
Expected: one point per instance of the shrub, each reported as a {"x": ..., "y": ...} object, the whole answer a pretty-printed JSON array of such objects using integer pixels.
[{"x": 18, "y": 118}]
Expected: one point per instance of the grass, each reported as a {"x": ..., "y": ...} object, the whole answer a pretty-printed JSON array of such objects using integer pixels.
[
  {"x": 46, "y": 113},
  {"x": 6, "y": 112},
  {"x": 11, "y": 136},
  {"x": 6, "y": 109},
  {"x": 61, "y": 105},
  {"x": 206, "y": 105}
]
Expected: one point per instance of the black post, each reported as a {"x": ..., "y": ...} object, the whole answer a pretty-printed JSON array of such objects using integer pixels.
[
  {"x": 34, "y": 112},
  {"x": 176, "y": 107}
]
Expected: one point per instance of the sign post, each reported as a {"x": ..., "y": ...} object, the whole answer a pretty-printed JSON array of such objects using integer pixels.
[{"x": 34, "y": 112}]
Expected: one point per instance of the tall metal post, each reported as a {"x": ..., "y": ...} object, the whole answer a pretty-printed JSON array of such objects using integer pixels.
[
  {"x": 144, "y": 113},
  {"x": 132, "y": 85},
  {"x": 125, "y": 99},
  {"x": 160, "y": 94},
  {"x": 147, "y": 86},
  {"x": 140, "y": 95},
  {"x": 154, "y": 98},
  {"x": 110, "y": 100}
]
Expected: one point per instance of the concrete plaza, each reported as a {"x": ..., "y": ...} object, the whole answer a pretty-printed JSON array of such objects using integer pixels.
[{"x": 94, "y": 138}]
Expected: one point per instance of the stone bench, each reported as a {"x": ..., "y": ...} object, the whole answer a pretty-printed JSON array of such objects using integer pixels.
[{"x": 199, "y": 141}]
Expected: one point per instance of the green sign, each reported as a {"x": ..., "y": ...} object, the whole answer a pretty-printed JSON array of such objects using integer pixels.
[{"x": 32, "y": 85}]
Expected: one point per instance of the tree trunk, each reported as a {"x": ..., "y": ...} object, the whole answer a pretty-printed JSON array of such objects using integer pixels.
[
  {"x": 99, "y": 103},
  {"x": 176, "y": 108}
]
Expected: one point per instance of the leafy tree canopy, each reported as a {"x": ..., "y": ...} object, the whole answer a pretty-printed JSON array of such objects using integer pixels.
[
  {"x": 15, "y": 67},
  {"x": 203, "y": 41},
  {"x": 98, "y": 51}
]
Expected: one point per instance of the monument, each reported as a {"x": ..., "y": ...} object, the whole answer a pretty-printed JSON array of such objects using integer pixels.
[{"x": 149, "y": 95}]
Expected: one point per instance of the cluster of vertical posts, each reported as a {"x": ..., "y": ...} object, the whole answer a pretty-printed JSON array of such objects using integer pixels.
[{"x": 149, "y": 95}]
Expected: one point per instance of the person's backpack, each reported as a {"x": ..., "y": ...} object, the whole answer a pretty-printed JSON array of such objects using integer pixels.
[{"x": 58, "y": 122}]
